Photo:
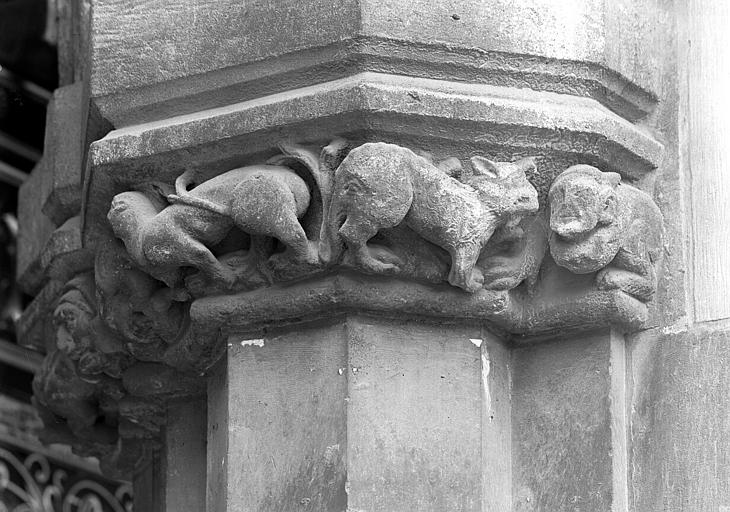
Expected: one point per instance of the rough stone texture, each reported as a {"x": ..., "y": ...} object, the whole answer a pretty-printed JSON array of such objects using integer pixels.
[
  {"x": 680, "y": 419},
  {"x": 565, "y": 401},
  {"x": 704, "y": 83},
  {"x": 381, "y": 186},
  {"x": 184, "y": 455},
  {"x": 567, "y": 47},
  {"x": 291, "y": 425},
  {"x": 64, "y": 152},
  {"x": 412, "y": 415},
  {"x": 35, "y": 326},
  {"x": 599, "y": 224},
  {"x": 63, "y": 257},
  {"x": 215, "y": 87},
  {"x": 34, "y": 231}
]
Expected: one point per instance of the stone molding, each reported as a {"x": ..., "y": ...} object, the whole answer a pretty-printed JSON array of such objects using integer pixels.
[{"x": 372, "y": 54}]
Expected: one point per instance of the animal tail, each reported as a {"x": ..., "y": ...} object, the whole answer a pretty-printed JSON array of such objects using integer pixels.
[
  {"x": 182, "y": 196},
  {"x": 184, "y": 181},
  {"x": 198, "y": 202}
]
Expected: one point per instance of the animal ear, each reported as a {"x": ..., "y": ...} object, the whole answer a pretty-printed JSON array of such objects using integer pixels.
[
  {"x": 610, "y": 209},
  {"x": 484, "y": 167},
  {"x": 424, "y": 154},
  {"x": 613, "y": 178},
  {"x": 451, "y": 166},
  {"x": 528, "y": 164}
]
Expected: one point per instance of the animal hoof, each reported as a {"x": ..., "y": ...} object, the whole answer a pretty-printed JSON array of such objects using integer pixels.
[
  {"x": 471, "y": 285},
  {"x": 313, "y": 254}
]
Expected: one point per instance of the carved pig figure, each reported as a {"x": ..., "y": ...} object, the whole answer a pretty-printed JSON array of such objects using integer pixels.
[
  {"x": 381, "y": 185},
  {"x": 601, "y": 225}
]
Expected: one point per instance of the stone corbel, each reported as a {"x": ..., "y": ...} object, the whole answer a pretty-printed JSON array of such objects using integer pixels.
[
  {"x": 375, "y": 228},
  {"x": 287, "y": 238}
]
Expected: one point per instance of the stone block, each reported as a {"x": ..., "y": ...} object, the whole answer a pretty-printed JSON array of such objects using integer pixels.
[
  {"x": 65, "y": 131},
  {"x": 183, "y": 458},
  {"x": 63, "y": 256},
  {"x": 563, "y": 47},
  {"x": 34, "y": 230},
  {"x": 361, "y": 414},
  {"x": 680, "y": 419},
  {"x": 569, "y": 432}
]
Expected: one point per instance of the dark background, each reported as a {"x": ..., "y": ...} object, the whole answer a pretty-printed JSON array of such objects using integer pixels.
[{"x": 28, "y": 75}]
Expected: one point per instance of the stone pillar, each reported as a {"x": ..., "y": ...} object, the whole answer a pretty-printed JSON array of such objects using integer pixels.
[{"x": 388, "y": 252}]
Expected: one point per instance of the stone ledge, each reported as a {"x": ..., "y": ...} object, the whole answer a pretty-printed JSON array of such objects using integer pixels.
[
  {"x": 489, "y": 115},
  {"x": 245, "y": 313}
]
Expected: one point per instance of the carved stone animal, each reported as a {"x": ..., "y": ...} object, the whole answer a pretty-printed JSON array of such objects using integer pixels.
[
  {"x": 261, "y": 200},
  {"x": 381, "y": 186},
  {"x": 601, "y": 225}
]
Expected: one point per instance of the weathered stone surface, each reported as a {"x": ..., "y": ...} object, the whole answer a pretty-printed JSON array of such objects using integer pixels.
[
  {"x": 600, "y": 225},
  {"x": 703, "y": 84},
  {"x": 63, "y": 256},
  {"x": 358, "y": 401},
  {"x": 568, "y": 401},
  {"x": 65, "y": 134},
  {"x": 35, "y": 327},
  {"x": 572, "y": 83},
  {"x": 680, "y": 419},
  {"x": 34, "y": 230},
  {"x": 563, "y": 48},
  {"x": 292, "y": 425},
  {"x": 380, "y": 186},
  {"x": 184, "y": 457}
]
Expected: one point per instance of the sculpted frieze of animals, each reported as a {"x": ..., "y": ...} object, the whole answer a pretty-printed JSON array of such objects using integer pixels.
[{"x": 599, "y": 224}]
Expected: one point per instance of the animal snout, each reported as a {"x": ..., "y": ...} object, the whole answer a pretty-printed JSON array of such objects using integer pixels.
[
  {"x": 528, "y": 203},
  {"x": 570, "y": 228}
]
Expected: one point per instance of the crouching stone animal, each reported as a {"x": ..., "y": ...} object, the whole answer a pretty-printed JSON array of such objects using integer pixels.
[
  {"x": 601, "y": 225},
  {"x": 380, "y": 186},
  {"x": 261, "y": 200}
]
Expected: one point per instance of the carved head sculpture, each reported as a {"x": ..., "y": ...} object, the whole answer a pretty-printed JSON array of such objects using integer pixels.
[
  {"x": 504, "y": 186},
  {"x": 74, "y": 316},
  {"x": 82, "y": 335},
  {"x": 584, "y": 218}
]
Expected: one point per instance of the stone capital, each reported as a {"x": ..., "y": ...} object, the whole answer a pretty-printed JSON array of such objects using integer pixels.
[{"x": 393, "y": 230}]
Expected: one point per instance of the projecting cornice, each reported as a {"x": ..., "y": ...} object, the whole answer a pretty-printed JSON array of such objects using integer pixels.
[{"x": 489, "y": 115}]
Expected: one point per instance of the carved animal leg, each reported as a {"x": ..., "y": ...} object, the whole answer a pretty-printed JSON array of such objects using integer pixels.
[
  {"x": 295, "y": 238},
  {"x": 630, "y": 273},
  {"x": 268, "y": 207},
  {"x": 463, "y": 272},
  {"x": 356, "y": 236},
  {"x": 211, "y": 270}
]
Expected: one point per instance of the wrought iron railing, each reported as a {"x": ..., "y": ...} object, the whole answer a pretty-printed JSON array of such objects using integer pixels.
[{"x": 38, "y": 481}]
